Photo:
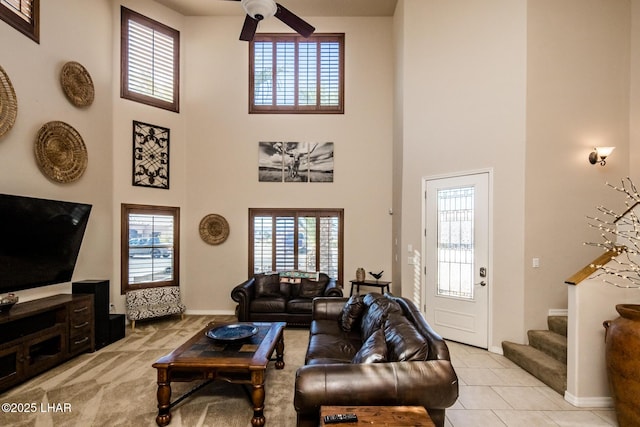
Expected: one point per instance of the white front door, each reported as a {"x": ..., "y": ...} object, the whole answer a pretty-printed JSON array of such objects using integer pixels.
[{"x": 456, "y": 247}]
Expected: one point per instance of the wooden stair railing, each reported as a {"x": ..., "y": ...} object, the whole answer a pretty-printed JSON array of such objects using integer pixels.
[{"x": 591, "y": 268}]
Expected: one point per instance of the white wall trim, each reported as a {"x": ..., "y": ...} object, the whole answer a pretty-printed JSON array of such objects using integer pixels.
[
  {"x": 588, "y": 402},
  {"x": 558, "y": 312},
  {"x": 496, "y": 349}
]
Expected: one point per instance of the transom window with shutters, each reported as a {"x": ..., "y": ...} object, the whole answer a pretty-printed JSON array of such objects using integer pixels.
[
  {"x": 291, "y": 74},
  {"x": 23, "y": 15},
  {"x": 150, "y": 61},
  {"x": 296, "y": 239}
]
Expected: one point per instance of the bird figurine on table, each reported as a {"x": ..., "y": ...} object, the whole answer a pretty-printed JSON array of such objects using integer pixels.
[{"x": 377, "y": 275}]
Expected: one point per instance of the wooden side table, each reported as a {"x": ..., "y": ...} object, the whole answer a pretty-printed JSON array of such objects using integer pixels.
[
  {"x": 380, "y": 416},
  {"x": 373, "y": 283}
]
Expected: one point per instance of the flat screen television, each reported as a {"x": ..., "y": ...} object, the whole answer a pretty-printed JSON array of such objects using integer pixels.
[{"x": 39, "y": 241}]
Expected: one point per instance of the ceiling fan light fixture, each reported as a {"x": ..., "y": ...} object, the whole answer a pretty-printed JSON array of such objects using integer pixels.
[{"x": 259, "y": 9}]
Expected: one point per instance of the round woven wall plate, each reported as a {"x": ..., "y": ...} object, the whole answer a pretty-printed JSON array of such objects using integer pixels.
[
  {"x": 60, "y": 152},
  {"x": 8, "y": 103},
  {"x": 77, "y": 84},
  {"x": 214, "y": 229}
]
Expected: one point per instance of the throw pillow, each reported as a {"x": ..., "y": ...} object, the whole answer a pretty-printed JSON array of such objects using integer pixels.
[
  {"x": 377, "y": 308},
  {"x": 351, "y": 313},
  {"x": 267, "y": 285},
  {"x": 404, "y": 340},
  {"x": 311, "y": 288},
  {"x": 373, "y": 350}
]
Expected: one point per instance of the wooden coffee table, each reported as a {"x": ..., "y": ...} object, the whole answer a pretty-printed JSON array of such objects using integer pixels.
[
  {"x": 383, "y": 416},
  {"x": 236, "y": 361}
]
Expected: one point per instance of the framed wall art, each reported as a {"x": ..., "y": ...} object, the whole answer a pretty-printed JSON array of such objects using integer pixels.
[
  {"x": 150, "y": 155},
  {"x": 295, "y": 162}
]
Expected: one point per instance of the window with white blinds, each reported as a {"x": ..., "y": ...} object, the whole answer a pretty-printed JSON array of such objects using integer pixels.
[
  {"x": 23, "y": 15},
  {"x": 150, "y": 61},
  {"x": 291, "y": 74},
  {"x": 296, "y": 239},
  {"x": 150, "y": 250}
]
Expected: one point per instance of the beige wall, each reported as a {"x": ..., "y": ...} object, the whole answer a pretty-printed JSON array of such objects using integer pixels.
[
  {"x": 214, "y": 142},
  {"x": 71, "y": 30},
  {"x": 463, "y": 108},
  {"x": 634, "y": 93},
  {"x": 577, "y": 98},
  {"x": 124, "y": 113},
  {"x": 222, "y": 153},
  {"x": 521, "y": 88}
]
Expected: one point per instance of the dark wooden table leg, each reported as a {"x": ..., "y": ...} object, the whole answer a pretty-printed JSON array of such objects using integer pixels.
[
  {"x": 257, "y": 398},
  {"x": 164, "y": 398},
  {"x": 280, "y": 352}
]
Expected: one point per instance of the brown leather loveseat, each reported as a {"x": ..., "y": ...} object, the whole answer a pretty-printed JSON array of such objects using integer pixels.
[
  {"x": 270, "y": 298},
  {"x": 375, "y": 350}
]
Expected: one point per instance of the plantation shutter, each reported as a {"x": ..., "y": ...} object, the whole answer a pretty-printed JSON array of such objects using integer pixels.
[
  {"x": 303, "y": 239},
  {"x": 151, "y": 246},
  {"x": 150, "y": 62},
  {"x": 22, "y": 8},
  {"x": 294, "y": 74},
  {"x": 285, "y": 243},
  {"x": 329, "y": 245},
  {"x": 23, "y": 15}
]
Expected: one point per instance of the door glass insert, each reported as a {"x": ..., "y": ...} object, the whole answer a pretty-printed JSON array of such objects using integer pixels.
[{"x": 455, "y": 242}]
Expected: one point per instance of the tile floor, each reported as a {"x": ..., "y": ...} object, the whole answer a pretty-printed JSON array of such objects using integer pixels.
[{"x": 495, "y": 392}]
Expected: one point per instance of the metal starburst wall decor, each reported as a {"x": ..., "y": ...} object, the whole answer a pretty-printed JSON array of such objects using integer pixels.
[{"x": 150, "y": 155}]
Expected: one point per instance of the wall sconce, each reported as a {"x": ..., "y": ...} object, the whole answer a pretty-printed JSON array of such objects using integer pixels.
[{"x": 599, "y": 155}]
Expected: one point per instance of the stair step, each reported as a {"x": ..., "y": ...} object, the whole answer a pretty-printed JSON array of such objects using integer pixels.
[
  {"x": 558, "y": 324},
  {"x": 539, "y": 364},
  {"x": 553, "y": 344}
]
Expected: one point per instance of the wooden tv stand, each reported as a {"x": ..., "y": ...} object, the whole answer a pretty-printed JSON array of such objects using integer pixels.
[{"x": 37, "y": 335}]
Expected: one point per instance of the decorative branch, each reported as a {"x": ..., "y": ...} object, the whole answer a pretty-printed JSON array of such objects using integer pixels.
[{"x": 620, "y": 233}]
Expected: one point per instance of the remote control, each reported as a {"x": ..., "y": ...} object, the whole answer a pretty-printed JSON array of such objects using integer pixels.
[{"x": 340, "y": 418}]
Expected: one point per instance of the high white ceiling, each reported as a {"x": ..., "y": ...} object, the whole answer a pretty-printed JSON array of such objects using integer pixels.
[{"x": 299, "y": 7}]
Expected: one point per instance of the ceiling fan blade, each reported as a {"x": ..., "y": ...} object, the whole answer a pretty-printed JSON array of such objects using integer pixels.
[
  {"x": 301, "y": 26},
  {"x": 248, "y": 29}
]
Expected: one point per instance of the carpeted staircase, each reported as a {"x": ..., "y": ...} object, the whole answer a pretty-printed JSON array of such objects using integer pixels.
[{"x": 546, "y": 355}]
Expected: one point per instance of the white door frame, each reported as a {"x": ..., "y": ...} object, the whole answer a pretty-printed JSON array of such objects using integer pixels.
[{"x": 423, "y": 285}]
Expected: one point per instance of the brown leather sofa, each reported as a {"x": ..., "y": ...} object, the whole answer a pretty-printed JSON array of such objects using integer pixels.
[
  {"x": 264, "y": 298},
  {"x": 373, "y": 351}
]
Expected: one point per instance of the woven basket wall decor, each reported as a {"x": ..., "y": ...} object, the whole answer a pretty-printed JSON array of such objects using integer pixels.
[
  {"x": 60, "y": 152},
  {"x": 214, "y": 229},
  {"x": 8, "y": 103},
  {"x": 77, "y": 84}
]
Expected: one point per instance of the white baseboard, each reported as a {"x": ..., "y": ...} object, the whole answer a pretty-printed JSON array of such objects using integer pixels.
[
  {"x": 588, "y": 402},
  {"x": 497, "y": 350},
  {"x": 210, "y": 312},
  {"x": 558, "y": 312}
]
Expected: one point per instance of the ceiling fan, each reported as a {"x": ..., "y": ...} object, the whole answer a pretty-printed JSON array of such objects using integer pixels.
[{"x": 257, "y": 10}]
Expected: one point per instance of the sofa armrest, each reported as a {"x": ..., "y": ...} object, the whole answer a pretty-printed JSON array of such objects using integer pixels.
[
  {"x": 332, "y": 289},
  {"x": 243, "y": 294},
  {"x": 431, "y": 384},
  {"x": 327, "y": 308}
]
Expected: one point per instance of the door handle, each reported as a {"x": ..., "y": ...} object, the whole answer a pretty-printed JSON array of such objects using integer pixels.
[{"x": 483, "y": 283}]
